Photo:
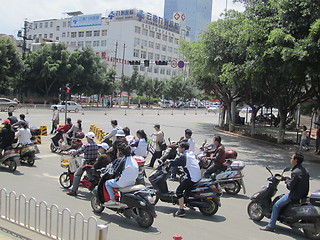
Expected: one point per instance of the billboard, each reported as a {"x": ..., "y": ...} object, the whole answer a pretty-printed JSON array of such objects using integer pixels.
[{"x": 86, "y": 20}]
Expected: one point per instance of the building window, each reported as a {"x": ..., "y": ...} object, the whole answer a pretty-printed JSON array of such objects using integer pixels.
[
  {"x": 150, "y": 55},
  {"x": 158, "y": 46},
  {"x": 168, "y": 72},
  {"x": 169, "y": 49},
  {"x": 157, "y": 56},
  {"x": 80, "y": 44},
  {"x": 103, "y": 32},
  {"x": 137, "y": 29},
  {"x": 136, "y": 41},
  {"x": 35, "y": 26},
  {"x": 156, "y": 70},
  {"x": 96, "y": 43},
  {"x": 40, "y": 25},
  {"x": 151, "y": 34},
  {"x": 45, "y": 35},
  {"x": 96, "y": 33},
  {"x": 51, "y": 24},
  {"x": 163, "y": 57},
  {"x": 73, "y": 34},
  {"x": 68, "y": 34},
  {"x": 88, "y": 33},
  {"x": 164, "y": 37},
  {"x": 176, "y": 41},
  {"x": 136, "y": 53},
  {"x": 145, "y": 32},
  {"x": 73, "y": 43},
  {"x": 80, "y": 34},
  {"x": 46, "y": 24},
  {"x": 58, "y": 28},
  {"x": 103, "y": 42},
  {"x": 51, "y": 35},
  {"x": 63, "y": 34},
  {"x": 88, "y": 43},
  {"x": 162, "y": 71},
  {"x": 64, "y": 24},
  {"x": 151, "y": 44},
  {"x": 171, "y": 39},
  {"x": 158, "y": 36},
  {"x": 69, "y": 23},
  {"x": 142, "y": 68},
  {"x": 150, "y": 69},
  {"x": 143, "y": 54},
  {"x": 144, "y": 43},
  {"x": 40, "y": 35},
  {"x": 164, "y": 48},
  {"x": 175, "y": 50}
]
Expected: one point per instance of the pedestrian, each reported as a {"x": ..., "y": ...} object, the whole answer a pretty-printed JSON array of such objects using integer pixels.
[
  {"x": 55, "y": 119},
  {"x": 115, "y": 128},
  {"x": 12, "y": 118},
  {"x": 90, "y": 151},
  {"x": 318, "y": 141},
  {"x": 298, "y": 185},
  {"x": 158, "y": 141},
  {"x": 304, "y": 139}
]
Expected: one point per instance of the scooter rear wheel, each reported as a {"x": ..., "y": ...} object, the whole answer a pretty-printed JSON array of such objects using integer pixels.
[
  {"x": 255, "y": 211},
  {"x": 96, "y": 205},
  {"x": 31, "y": 159},
  {"x": 146, "y": 218},
  {"x": 209, "y": 211},
  {"x": 12, "y": 165},
  {"x": 53, "y": 148},
  {"x": 64, "y": 180},
  {"x": 313, "y": 234},
  {"x": 235, "y": 190}
]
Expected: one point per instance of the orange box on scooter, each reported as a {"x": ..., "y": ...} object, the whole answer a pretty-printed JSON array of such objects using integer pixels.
[
  {"x": 231, "y": 154},
  {"x": 237, "y": 165}
]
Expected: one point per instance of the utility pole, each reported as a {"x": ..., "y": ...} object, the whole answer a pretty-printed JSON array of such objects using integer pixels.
[
  {"x": 123, "y": 56},
  {"x": 115, "y": 56}
]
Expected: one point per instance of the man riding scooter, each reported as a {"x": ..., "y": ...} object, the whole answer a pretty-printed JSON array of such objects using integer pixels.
[{"x": 191, "y": 167}]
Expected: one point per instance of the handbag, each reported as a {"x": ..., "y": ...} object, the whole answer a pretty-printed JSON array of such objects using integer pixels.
[{"x": 162, "y": 145}]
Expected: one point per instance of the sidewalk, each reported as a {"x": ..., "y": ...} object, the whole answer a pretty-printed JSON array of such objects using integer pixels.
[{"x": 11, "y": 231}]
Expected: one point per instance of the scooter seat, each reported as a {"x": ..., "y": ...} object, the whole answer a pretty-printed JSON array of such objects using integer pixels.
[{"x": 132, "y": 188}]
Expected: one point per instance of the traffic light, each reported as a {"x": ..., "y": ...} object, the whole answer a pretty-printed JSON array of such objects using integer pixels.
[
  {"x": 134, "y": 62},
  {"x": 161, "y": 62},
  {"x": 68, "y": 93},
  {"x": 146, "y": 63}
]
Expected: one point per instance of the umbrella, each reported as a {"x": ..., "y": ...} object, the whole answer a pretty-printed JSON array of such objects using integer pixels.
[{"x": 317, "y": 122}]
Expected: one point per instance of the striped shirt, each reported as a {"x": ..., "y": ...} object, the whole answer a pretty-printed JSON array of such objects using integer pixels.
[{"x": 90, "y": 151}]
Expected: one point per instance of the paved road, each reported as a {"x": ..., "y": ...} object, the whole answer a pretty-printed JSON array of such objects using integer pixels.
[{"x": 231, "y": 220}]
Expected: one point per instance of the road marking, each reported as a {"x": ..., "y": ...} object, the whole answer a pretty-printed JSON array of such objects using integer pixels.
[{"x": 50, "y": 176}]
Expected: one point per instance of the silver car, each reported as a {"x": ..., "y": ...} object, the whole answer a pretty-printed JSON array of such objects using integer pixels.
[
  {"x": 8, "y": 104},
  {"x": 71, "y": 106}
]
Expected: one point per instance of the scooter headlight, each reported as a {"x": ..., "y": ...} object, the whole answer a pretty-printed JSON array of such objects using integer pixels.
[{"x": 152, "y": 199}]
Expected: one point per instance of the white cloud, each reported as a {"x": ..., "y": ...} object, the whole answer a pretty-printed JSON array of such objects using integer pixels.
[{"x": 14, "y": 12}]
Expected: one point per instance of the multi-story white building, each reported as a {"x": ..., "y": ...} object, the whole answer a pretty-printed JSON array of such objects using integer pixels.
[{"x": 120, "y": 37}]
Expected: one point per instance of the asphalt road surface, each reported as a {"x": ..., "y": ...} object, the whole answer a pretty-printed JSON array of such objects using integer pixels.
[{"x": 230, "y": 222}]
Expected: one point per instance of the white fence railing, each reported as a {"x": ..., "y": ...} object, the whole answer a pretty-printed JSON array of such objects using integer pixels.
[{"x": 49, "y": 221}]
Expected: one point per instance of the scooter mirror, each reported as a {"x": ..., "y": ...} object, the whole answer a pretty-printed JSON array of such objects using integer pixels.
[
  {"x": 269, "y": 170},
  {"x": 286, "y": 169}
]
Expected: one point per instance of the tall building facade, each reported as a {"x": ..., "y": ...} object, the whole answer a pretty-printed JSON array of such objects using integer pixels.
[
  {"x": 118, "y": 38},
  {"x": 198, "y": 14}
]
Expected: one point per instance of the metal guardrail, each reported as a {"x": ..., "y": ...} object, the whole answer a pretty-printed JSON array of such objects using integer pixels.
[{"x": 48, "y": 221}]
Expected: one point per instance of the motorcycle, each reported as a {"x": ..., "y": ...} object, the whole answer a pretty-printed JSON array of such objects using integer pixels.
[
  {"x": 205, "y": 194},
  {"x": 72, "y": 164},
  {"x": 73, "y": 143},
  {"x": 135, "y": 202},
  {"x": 26, "y": 152},
  {"x": 304, "y": 215},
  {"x": 10, "y": 159}
]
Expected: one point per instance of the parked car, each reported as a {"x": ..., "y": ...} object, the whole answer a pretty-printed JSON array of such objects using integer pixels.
[
  {"x": 8, "y": 104},
  {"x": 214, "y": 108},
  {"x": 71, "y": 106}
]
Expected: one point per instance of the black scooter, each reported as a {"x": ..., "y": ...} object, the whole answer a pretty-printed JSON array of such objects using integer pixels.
[
  {"x": 304, "y": 215},
  {"x": 135, "y": 202},
  {"x": 205, "y": 194}
]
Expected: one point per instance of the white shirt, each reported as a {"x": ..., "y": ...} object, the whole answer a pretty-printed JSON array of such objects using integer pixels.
[
  {"x": 192, "y": 164},
  {"x": 191, "y": 144},
  {"x": 129, "y": 174},
  {"x": 24, "y": 136},
  {"x": 142, "y": 148}
]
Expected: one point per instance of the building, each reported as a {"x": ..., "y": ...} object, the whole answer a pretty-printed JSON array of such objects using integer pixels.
[
  {"x": 197, "y": 14},
  {"x": 120, "y": 38}
]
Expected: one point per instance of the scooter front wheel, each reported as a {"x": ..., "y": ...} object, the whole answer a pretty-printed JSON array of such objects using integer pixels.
[
  {"x": 12, "y": 165},
  {"x": 64, "y": 180},
  {"x": 235, "y": 189},
  {"x": 313, "y": 233},
  {"x": 146, "y": 218},
  {"x": 211, "y": 210},
  {"x": 53, "y": 148},
  {"x": 96, "y": 205},
  {"x": 255, "y": 211}
]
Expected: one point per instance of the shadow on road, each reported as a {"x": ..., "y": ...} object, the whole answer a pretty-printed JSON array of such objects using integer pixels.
[{"x": 238, "y": 196}]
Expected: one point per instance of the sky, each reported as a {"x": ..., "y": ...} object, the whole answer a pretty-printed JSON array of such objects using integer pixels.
[{"x": 14, "y": 12}]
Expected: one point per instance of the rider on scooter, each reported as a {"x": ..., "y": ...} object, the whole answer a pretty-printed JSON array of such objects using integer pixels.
[
  {"x": 218, "y": 159},
  {"x": 126, "y": 171},
  {"x": 190, "y": 165},
  {"x": 6, "y": 136},
  {"x": 298, "y": 185}
]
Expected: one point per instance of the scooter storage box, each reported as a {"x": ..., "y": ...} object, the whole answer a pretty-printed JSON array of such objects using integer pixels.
[
  {"x": 79, "y": 135},
  {"x": 237, "y": 165},
  {"x": 230, "y": 154},
  {"x": 35, "y": 131},
  {"x": 315, "y": 198}
]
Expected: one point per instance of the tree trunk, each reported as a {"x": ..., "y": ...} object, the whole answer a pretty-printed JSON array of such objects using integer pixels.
[
  {"x": 282, "y": 126},
  {"x": 253, "y": 121}
]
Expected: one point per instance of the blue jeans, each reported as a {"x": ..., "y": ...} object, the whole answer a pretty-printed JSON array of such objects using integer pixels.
[
  {"x": 110, "y": 184},
  {"x": 284, "y": 200}
]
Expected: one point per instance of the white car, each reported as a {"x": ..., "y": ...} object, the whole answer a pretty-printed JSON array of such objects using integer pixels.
[
  {"x": 214, "y": 108},
  {"x": 71, "y": 106},
  {"x": 8, "y": 104}
]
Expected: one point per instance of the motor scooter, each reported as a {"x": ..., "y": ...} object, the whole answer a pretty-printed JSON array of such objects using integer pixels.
[
  {"x": 73, "y": 143},
  {"x": 205, "y": 194},
  {"x": 26, "y": 152},
  {"x": 303, "y": 215},
  {"x": 134, "y": 202},
  {"x": 10, "y": 159}
]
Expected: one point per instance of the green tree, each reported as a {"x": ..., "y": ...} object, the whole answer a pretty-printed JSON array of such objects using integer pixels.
[
  {"x": 10, "y": 65},
  {"x": 129, "y": 84}
]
